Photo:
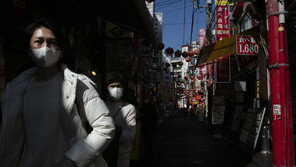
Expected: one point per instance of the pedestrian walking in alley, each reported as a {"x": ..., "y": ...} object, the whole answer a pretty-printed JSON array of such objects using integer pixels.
[
  {"x": 44, "y": 109},
  {"x": 124, "y": 115},
  {"x": 149, "y": 119}
]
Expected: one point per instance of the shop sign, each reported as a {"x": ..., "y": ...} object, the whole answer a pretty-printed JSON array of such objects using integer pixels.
[
  {"x": 115, "y": 31},
  {"x": 185, "y": 48},
  {"x": 223, "y": 71},
  {"x": 222, "y": 20},
  {"x": 246, "y": 45},
  {"x": 224, "y": 2},
  {"x": 145, "y": 48},
  {"x": 202, "y": 37}
]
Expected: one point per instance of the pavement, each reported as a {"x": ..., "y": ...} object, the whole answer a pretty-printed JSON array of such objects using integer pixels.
[{"x": 184, "y": 142}]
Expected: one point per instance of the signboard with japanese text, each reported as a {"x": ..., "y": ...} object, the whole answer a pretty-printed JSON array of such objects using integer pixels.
[
  {"x": 185, "y": 48},
  {"x": 202, "y": 37},
  {"x": 224, "y": 2},
  {"x": 246, "y": 45},
  {"x": 222, "y": 22},
  {"x": 145, "y": 48}
]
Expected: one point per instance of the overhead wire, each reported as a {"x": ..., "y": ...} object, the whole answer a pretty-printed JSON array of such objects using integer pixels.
[{"x": 184, "y": 20}]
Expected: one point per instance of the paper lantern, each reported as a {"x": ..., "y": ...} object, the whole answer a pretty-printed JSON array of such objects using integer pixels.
[
  {"x": 160, "y": 46},
  {"x": 169, "y": 50},
  {"x": 180, "y": 63},
  {"x": 186, "y": 78},
  {"x": 186, "y": 82},
  {"x": 190, "y": 53},
  {"x": 188, "y": 59},
  {"x": 178, "y": 53},
  {"x": 196, "y": 52},
  {"x": 192, "y": 77},
  {"x": 167, "y": 64},
  {"x": 185, "y": 54}
]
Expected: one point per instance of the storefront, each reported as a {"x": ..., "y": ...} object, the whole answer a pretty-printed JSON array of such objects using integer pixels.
[{"x": 238, "y": 95}]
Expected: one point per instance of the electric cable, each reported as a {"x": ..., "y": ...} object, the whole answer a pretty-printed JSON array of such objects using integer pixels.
[{"x": 184, "y": 20}]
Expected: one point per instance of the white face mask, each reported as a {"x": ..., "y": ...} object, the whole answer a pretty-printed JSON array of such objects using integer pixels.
[
  {"x": 45, "y": 57},
  {"x": 115, "y": 93}
]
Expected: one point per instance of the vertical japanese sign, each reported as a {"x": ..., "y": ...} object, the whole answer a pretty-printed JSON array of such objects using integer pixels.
[
  {"x": 202, "y": 37},
  {"x": 222, "y": 20}
]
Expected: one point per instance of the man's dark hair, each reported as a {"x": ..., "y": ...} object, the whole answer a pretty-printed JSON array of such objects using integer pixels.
[
  {"x": 114, "y": 77},
  {"x": 32, "y": 27}
]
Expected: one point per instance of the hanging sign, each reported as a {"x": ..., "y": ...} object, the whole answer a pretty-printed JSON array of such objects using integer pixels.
[
  {"x": 246, "y": 45},
  {"x": 222, "y": 20},
  {"x": 223, "y": 71},
  {"x": 223, "y": 2}
]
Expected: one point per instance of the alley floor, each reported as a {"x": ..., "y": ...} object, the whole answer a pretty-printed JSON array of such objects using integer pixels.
[{"x": 184, "y": 142}]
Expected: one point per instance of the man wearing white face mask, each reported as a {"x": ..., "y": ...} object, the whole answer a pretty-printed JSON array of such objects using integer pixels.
[{"x": 124, "y": 115}]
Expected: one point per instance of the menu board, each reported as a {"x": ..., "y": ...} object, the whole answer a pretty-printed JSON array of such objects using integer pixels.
[{"x": 252, "y": 126}]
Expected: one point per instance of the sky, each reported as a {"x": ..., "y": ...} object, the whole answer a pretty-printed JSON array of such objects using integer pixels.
[{"x": 173, "y": 18}]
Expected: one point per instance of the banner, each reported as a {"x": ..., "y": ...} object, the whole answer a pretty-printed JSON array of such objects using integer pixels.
[
  {"x": 222, "y": 20},
  {"x": 223, "y": 71},
  {"x": 223, "y": 2}
]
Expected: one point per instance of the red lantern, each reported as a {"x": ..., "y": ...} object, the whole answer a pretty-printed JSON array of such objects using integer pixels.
[
  {"x": 160, "y": 46},
  {"x": 190, "y": 53},
  {"x": 196, "y": 52},
  {"x": 192, "y": 77},
  {"x": 180, "y": 63},
  {"x": 186, "y": 82},
  {"x": 192, "y": 81},
  {"x": 186, "y": 78},
  {"x": 188, "y": 59},
  {"x": 167, "y": 64},
  {"x": 185, "y": 54},
  {"x": 199, "y": 77},
  {"x": 179, "y": 83},
  {"x": 174, "y": 65},
  {"x": 178, "y": 53},
  {"x": 169, "y": 50},
  {"x": 179, "y": 76}
]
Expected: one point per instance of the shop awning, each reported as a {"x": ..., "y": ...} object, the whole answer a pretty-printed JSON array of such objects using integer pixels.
[
  {"x": 130, "y": 14},
  {"x": 222, "y": 48}
]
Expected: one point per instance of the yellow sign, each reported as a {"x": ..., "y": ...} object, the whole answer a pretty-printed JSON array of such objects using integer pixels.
[
  {"x": 115, "y": 31},
  {"x": 223, "y": 3}
]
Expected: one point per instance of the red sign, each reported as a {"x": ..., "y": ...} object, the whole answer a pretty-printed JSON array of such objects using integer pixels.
[
  {"x": 222, "y": 20},
  {"x": 246, "y": 45},
  {"x": 223, "y": 71}
]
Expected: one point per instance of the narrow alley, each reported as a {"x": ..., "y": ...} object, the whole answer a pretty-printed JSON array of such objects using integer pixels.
[{"x": 182, "y": 142}]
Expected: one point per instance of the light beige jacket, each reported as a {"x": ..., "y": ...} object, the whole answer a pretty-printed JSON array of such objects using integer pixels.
[{"x": 84, "y": 149}]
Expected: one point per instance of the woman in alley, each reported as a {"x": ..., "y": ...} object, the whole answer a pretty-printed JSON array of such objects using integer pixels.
[
  {"x": 124, "y": 115},
  {"x": 44, "y": 109}
]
